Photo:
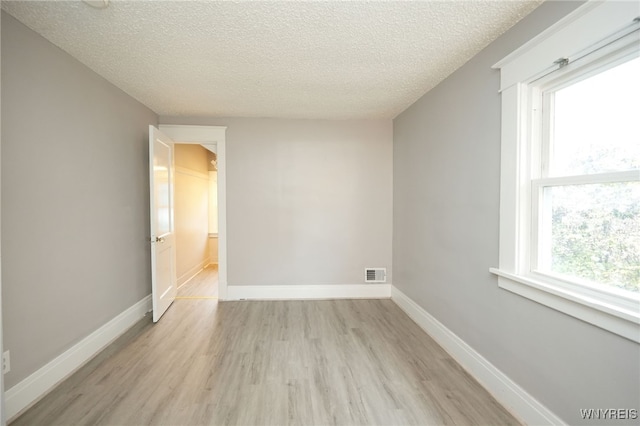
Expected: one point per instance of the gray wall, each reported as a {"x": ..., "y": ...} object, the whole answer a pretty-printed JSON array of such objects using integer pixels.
[
  {"x": 308, "y": 201},
  {"x": 446, "y": 200},
  {"x": 74, "y": 200}
]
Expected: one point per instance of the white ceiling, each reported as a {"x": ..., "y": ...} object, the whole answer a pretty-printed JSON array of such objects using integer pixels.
[{"x": 323, "y": 59}]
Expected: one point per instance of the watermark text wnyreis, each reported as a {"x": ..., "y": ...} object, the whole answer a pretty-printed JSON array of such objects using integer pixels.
[{"x": 609, "y": 413}]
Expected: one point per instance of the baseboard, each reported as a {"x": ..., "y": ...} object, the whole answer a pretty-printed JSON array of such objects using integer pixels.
[
  {"x": 303, "y": 292},
  {"x": 191, "y": 273},
  {"x": 505, "y": 390},
  {"x": 30, "y": 390}
]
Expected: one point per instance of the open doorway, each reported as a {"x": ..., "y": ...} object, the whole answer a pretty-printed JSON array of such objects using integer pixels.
[
  {"x": 196, "y": 220},
  {"x": 211, "y": 138}
]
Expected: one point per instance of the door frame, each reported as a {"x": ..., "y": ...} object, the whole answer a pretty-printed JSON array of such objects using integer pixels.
[{"x": 210, "y": 135}]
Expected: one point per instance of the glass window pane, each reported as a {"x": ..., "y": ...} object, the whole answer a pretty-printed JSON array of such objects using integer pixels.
[
  {"x": 595, "y": 123},
  {"x": 593, "y": 233}
]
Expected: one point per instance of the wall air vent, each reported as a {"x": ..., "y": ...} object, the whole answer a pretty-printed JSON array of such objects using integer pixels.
[{"x": 375, "y": 275}]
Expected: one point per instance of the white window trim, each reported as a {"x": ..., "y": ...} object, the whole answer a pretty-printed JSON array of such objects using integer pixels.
[{"x": 592, "y": 25}]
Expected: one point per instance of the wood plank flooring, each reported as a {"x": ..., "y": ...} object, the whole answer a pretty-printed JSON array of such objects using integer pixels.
[
  {"x": 203, "y": 285},
  {"x": 333, "y": 362}
]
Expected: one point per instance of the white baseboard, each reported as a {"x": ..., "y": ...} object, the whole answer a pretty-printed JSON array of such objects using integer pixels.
[
  {"x": 30, "y": 390},
  {"x": 191, "y": 273},
  {"x": 505, "y": 390},
  {"x": 301, "y": 292}
]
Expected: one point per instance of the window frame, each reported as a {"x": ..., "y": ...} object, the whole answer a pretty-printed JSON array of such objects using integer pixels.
[{"x": 526, "y": 74}]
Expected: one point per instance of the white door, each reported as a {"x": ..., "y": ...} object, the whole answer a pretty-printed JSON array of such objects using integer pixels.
[{"x": 163, "y": 253}]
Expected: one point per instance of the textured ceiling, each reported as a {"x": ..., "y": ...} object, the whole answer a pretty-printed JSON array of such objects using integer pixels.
[{"x": 324, "y": 59}]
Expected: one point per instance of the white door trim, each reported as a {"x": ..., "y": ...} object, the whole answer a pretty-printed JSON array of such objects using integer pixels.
[{"x": 210, "y": 135}]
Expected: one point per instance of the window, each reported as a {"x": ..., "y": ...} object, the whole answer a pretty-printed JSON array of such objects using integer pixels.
[
  {"x": 570, "y": 185},
  {"x": 586, "y": 202}
]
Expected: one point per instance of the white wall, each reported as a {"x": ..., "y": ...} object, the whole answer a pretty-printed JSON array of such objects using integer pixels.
[
  {"x": 213, "y": 202},
  {"x": 213, "y": 250},
  {"x": 213, "y": 216},
  {"x": 308, "y": 201}
]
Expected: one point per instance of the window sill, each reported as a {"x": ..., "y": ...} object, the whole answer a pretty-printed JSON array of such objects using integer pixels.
[{"x": 623, "y": 322}]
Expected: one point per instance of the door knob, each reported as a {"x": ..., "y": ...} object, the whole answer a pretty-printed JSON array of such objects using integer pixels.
[{"x": 159, "y": 239}]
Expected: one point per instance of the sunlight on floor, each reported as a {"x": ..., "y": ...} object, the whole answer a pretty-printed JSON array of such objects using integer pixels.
[{"x": 202, "y": 286}]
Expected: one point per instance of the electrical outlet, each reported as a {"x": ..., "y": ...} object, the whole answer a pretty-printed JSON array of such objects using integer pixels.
[{"x": 6, "y": 362}]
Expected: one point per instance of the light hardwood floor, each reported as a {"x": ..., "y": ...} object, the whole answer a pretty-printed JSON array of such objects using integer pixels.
[{"x": 344, "y": 362}]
